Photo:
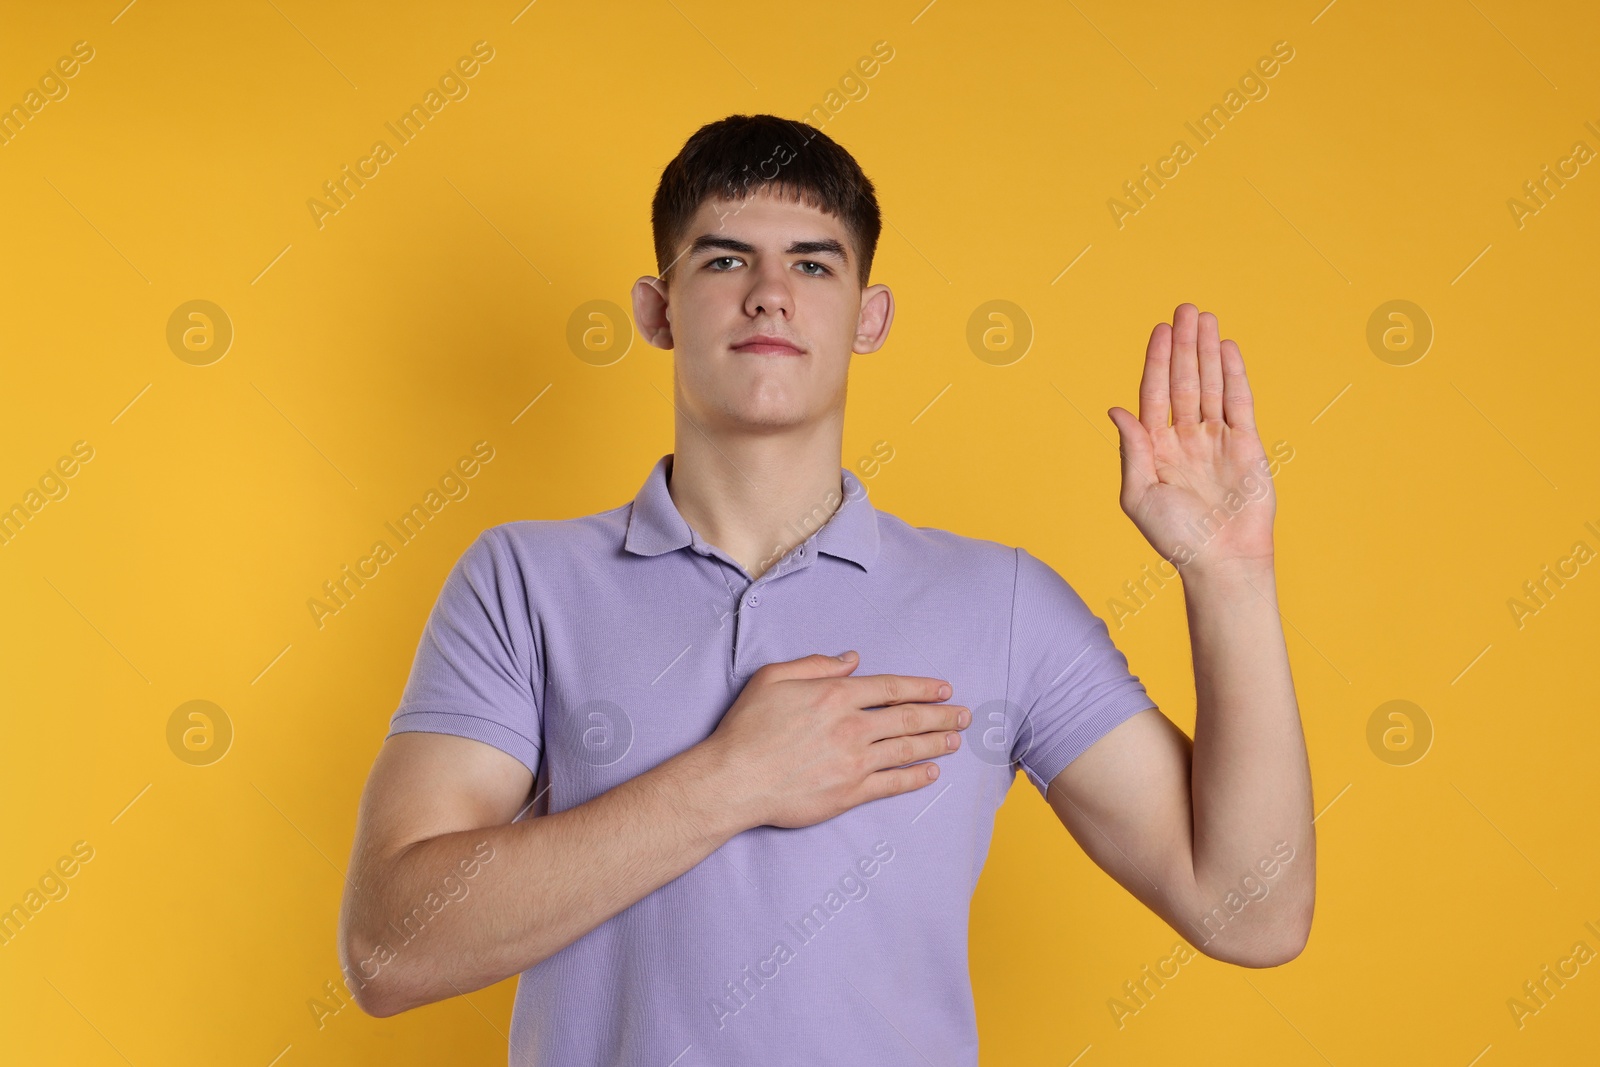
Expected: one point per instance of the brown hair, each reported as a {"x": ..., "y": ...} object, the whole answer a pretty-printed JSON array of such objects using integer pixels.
[{"x": 741, "y": 155}]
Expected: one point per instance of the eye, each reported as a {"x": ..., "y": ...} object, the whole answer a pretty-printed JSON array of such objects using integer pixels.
[
  {"x": 822, "y": 271},
  {"x": 721, "y": 259}
]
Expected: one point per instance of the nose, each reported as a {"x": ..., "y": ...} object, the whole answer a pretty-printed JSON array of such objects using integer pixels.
[{"x": 769, "y": 291}]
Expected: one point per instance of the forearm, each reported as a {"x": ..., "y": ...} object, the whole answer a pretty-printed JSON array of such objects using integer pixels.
[
  {"x": 549, "y": 881},
  {"x": 1251, "y": 779}
]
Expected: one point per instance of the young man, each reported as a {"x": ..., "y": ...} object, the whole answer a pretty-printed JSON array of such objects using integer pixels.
[{"x": 744, "y": 847}]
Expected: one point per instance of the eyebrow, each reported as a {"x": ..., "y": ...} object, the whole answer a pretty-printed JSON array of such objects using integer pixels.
[{"x": 825, "y": 247}]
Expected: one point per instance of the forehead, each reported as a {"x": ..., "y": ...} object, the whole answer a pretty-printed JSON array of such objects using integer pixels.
[{"x": 772, "y": 215}]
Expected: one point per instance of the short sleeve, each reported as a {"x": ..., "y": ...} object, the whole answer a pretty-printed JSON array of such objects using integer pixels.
[
  {"x": 1068, "y": 681},
  {"x": 475, "y": 670}
]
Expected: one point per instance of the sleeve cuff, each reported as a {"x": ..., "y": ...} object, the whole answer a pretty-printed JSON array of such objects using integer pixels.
[
  {"x": 469, "y": 725},
  {"x": 1042, "y": 764}
]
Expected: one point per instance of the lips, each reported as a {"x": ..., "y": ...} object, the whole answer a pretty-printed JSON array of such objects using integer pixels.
[{"x": 766, "y": 344}]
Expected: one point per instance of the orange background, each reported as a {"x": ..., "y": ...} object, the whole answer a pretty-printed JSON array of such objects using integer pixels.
[{"x": 432, "y": 311}]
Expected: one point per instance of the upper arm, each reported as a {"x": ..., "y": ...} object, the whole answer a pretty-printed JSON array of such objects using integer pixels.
[
  {"x": 1126, "y": 801},
  {"x": 1111, "y": 765},
  {"x": 465, "y": 743},
  {"x": 424, "y": 785},
  {"x": 421, "y": 786}
]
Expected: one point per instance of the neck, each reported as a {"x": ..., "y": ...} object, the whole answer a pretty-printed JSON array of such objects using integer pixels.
[{"x": 757, "y": 497}]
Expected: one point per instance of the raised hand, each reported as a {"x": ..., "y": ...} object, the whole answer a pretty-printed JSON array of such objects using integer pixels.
[{"x": 1197, "y": 487}]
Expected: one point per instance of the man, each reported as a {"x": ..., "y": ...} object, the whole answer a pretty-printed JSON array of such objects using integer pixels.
[{"x": 743, "y": 846}]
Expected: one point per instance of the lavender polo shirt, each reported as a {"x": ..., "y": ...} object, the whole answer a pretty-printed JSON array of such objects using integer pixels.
[{"x": 592, "y": 649}]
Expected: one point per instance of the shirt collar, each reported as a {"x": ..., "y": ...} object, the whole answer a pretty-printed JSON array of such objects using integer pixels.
[{"x": 655, "y": 525}]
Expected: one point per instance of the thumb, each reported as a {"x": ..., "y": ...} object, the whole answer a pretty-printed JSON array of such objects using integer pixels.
[
  {"x": 818, "y": 665},
  {"x": 1138, "y": 455}
]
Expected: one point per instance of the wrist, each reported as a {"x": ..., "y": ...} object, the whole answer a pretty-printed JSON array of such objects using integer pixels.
[
  {"x": 722, "y": 800},
  {"x": 1256, "y": 574}
]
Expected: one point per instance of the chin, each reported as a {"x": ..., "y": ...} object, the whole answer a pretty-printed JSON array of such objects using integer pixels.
[{"x": 765, "y": 416}]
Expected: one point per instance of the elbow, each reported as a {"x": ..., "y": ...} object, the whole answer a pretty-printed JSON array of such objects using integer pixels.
[
  {"x": 1261, "y": 955},
  {"x": 1271, "y": 955},
  {"x": 370, "y": 1004},
  {"x": 1266, "y": 948},
  {"x": 380, "y": 995},
  {"x": 377, "y": 985}
]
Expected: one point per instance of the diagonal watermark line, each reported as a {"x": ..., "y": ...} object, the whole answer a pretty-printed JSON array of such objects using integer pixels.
[
  {"x": 269, "y": 266},
  {"x": 713, "y": 44},
  {"x": 532, "y": 802},
  {"x": 1331, "y": 803},
  {"x": 1302, "y": 634},
  {"x": 97, "y": 229},
  {"x": 1049, "y": 786},
  {"x": 892, "y": 626},
  {"x": 86, "y": 1019},
  {"x": 1074, "y": 263},
  {"x": 130, "y": 803},
  {"x": 1330, "y": 404},
  {"x": 669, "y": 666},
  {"x": 1513, "y": 44},
  {"x": 274, "y": 663},
  {"x": 130, "y": 403},
  {"x": 313, "y": 44},
  {"x": 1469, "y": 266},
  {"x": 702, "y": 433},
  {"x": 302, "y": 433},
  {"x": 530, "y": 404},
  {"x": 1285, "y": 1018},
  {"x": 302, "y": 833},
  {"x": 1297, "y": 229},
  {"x": 1469, "y": 666},
  {"x": 1501, "y": 432},
  {"x": 930, "y": 803},
  {"x": 918, "y": 251},
  {"x": 1113, "y": 44},
  {"x": 930, "y": 403},
  {"x": 890, "y": 1021},
  {"x": 97, "y": 630},
  {"x": 1502, "y": 833},
  {"x": 1092, "y": 424},
  {"x": 498, "y": 230}
]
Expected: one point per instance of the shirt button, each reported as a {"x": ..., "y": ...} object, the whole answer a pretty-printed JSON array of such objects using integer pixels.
[{"x": 754, "y": 600}]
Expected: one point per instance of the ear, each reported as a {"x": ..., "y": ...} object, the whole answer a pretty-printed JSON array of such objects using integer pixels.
[
  {"x": 872, "y": 326},
  {"x": 650, "y": 311}
]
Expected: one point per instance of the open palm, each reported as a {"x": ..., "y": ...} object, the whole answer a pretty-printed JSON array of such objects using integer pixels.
[{"x": 1197, "y": 488}]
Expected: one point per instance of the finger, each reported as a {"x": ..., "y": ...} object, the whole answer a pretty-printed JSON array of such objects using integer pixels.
[
  {"x": 1153, "y": 403},
  {"x": 1210, "y": 346},
  {"x": 898, "y": 780},
  {"x": 1138, "y": 453},
  {"x": 1185, "y": 366},
  {"x": 880, "y": 690},
  {"x": 899, "y": 751},
  {"x": 816, "y": 665},
  {"x": 1238, "y": 406},
  {"x": 909, "y": 720}
]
